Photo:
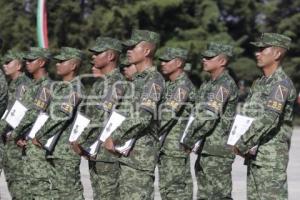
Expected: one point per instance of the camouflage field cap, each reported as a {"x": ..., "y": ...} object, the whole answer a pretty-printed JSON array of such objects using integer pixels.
[
  {"x": 215, "y": 48},
  {"x": 138, "y": 36},
  {"x": 37, "y": 52},
  {"x": 170, "y": 53},
  {"x": 67, "y": 53},
  {"x": 273, "y": 39},
  {"x": 105, "y": 43},
  {"x": 13, "y": 55}
]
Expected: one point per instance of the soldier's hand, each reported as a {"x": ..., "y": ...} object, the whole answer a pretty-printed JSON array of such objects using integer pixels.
[
  {"x": 236, "y": 151},
  {"x": 109, "y": 145},
  {"x": 77, "y": 148},
  {"x": 21, "y": 143},
  {"x": 36, "y": 143}
]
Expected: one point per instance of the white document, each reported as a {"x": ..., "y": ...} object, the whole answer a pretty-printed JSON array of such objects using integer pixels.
[
  {"x": 39, "y": 122},
  {"x": 125, "y": 149},
  {"x": 113, "y": 123},
  {"x": 196, "y": 146},
  {"x": 81, "y": 122},
  {"x": 191, "y": 119},
  {"x": 4, "y": 115},
  {"x": 93, "y": 150},
  {"x": 16, "y": 114},
  {"x": 51, "y": 142},
  {"x": 240, "y": 126}
]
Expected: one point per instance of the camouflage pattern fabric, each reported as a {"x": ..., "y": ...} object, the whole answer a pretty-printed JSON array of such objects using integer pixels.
[
  {"x": 174, "y": 165},
  {"x": 273, "y": 39},
  {"x": 216, "y": 48},
  {"x": 52, "y": 177},
  {"x": 270, "y": 102},
  {"x": 171, "y": 53},
  {"x": 213, "y": 175},
  {"x": 216, "y": 103},
  {"x": 104, "y": 97},
  {"x": 143, "y": 126},
  {"x": 138, "y": 36},
  {"x": 12, "y": 155}
]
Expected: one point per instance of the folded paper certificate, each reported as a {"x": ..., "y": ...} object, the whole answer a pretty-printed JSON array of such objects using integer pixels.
[
  {"x": 16, "y": 114},
  {"x": 115, "y": 120},
  {"x": 125, "y": 149},
  {"x": 113, "y": 123},
  {"x": 4, "y": 115},
  {"x": 191, "y": 119},
  {"x": 240, "y": 126},
  {"x": 93, "y": 149},
  {"x": 39, "y": 122},
  {"x": 51, "y": 142},
  {"x": 81, "y": 122},
  {"x": 196, "y": 146}
]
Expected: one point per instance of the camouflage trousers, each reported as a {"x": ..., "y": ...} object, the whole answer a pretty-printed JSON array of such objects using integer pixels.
[
  {"x": 175, "y": 179},
  {"x": 66, "y": 180},
  {"x": 266, "y": 183},
  {"x": 213, "y": 175},
  {"x": 37, "y": 173},
  {"x": 104, "y": 178},
  {"x": 135, "y": 184},
  {"x": 13, "y": 168}
]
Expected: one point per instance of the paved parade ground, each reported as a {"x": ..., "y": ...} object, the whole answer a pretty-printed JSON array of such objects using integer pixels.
[{"x": 239, "y": 175}]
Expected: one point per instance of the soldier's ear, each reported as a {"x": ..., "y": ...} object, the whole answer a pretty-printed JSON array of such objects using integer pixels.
[
  {"x": 178, "y": 62},
  {"x": 277, "y": 53},
  {"x": 42, "y": 62}
]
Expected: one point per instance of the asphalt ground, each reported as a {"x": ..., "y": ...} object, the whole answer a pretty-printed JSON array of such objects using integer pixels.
[{"x": 238, "y": 175}]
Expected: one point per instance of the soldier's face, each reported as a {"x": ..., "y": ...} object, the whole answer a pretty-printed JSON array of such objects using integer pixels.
[
  {"x": 11, "y": 67},
  {"x": 64, "y": 68},
  {"x": 168, "y": 67},
  {"x": 129, "y": 71},
  {"x": 137, "y": 53},
  {"x": 32, "y": 65},
  {"x": 265, "y": 56},
  {"x": 100, "y": 60},
  {"x": 210, "y": 64}
]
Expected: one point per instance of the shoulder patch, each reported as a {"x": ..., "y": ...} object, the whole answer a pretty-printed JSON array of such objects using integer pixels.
[
  {"x": 151, "y": 95},
  {"x": 179, "y": 96},
  {"x": 70, "y": 103},
  {"x": 277, "y": 98},
  {"x": 42, "y": 98},
  {"x": 113, "y": 96},
  {"x": 217, "y": 99}
]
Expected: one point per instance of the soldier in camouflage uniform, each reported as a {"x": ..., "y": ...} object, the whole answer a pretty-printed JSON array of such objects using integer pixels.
[
  {"x": 35, "y": 99},
  {"x": 58, "y": 176},
  {"x": 215, "y": 109},
  {"x": 104, "y": 96},
  {"x": 137, "y": 170},
  {"x": 270, "y": 102},
  {"x": 175, "y": 179},
  {"x": 13, "y": 68}
]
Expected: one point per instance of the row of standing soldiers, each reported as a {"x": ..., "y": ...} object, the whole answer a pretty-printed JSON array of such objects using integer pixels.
[{"x": 157, "y": 103}]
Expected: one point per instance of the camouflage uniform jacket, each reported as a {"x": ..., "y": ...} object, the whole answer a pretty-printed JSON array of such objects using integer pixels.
[
  {"x": 142, "y": 124},
  {"x": 215, "y": 110},
  {"x": 62, "y": 109},
  {"x": 177, "y": 103},
  {"x": 16, "y": 91},
  {"x": 36, "y": 100},
  {"x": 103, "y": 98},
  {"x": 3, "y": 93},
  {"x": 270, "y": 102}
]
